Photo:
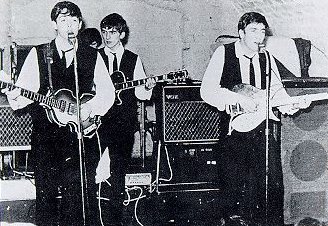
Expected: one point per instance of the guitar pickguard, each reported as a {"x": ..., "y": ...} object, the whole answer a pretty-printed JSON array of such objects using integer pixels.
[
  {"x": 118, "y": 77},
  {"x": 67, "y": 115}
]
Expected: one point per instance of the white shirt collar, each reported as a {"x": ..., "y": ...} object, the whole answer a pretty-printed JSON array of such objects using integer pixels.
[
  {"x": 63, "y": 46},
  {"x": 240, "y": 51},
  {"x": 119, "y": 51}
]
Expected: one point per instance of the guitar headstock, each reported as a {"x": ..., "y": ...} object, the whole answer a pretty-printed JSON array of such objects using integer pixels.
[{"x": 180, "y": 74}]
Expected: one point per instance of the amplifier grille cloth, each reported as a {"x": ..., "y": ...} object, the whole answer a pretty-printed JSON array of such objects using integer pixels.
[
  {"x": 14, "y": 130},
  {"x": 191, "y": 121}
]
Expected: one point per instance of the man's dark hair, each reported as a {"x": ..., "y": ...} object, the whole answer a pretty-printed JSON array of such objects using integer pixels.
[
  {"x": 116, "y": 21},
  {"x": 90, "y": 35},
  {"x": 251, "y": 17},
  {"x": 66, "y": 8},
  {"x": 309, "y": 221}
]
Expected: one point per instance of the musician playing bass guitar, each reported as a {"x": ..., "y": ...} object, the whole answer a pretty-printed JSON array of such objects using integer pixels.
[
  {"x": 235, "y": 81},
  {"x": 54, "y": 143}
]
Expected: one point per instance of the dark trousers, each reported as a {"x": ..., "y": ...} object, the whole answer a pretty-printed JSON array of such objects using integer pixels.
[
  {"x": 242, "y": 168},
  {"x": 47, "y": 200},
  {"x": 59, "y": 185},
  {"x": 73, "y": 200},
  {"x": 119, "y": 139}
]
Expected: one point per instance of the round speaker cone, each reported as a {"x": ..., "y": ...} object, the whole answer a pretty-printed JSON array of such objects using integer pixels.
[{"x": 308, "y": 161}]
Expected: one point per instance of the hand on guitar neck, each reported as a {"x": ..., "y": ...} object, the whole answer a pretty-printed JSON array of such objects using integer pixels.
[
  {"x": 290, "y": 109},
  {"x": 12, "y": 96},
  {"x": 121, "y": 83},
  {"x": 250, "y": 110},
  {"x": 60, "y": 106},
  {"x": 150, "y": 83}
]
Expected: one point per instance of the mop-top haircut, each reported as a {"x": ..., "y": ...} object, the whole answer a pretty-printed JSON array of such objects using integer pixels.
[
  {"x": 66, "y": 8},
  {"x": 251, "y": 17},
  {"x": 116, "y": 21}
]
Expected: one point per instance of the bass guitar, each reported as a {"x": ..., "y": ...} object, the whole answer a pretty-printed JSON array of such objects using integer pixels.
[
  {"x": 120, "y": 82},
  {"x": 243, "y": 121},
  {"x": 61, "y": 108}
]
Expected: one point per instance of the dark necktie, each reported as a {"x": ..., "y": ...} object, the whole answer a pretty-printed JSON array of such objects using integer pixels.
[
  {"x": 115, "y": 62},
  {"x": 251, "y": 71},
  {"x": 63, "y": 59}
]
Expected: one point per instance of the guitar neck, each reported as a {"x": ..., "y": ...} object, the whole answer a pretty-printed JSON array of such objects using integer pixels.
[
  {"x": 298, "y": 99},
  {"x": 136, "y": 83},
  {"x": 158, "y": 78},
  {"x": 33, "y": 95}
]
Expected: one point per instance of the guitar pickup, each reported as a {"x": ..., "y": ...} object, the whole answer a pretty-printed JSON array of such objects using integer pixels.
[
  {"x": 70, "y": 109},
  {"x": 62, "y": 106}
]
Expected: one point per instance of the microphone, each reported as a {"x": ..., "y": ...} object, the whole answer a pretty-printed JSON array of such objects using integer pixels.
[
  {"x": 262, "y": 49},
  {"x": 71, "y": 38}
]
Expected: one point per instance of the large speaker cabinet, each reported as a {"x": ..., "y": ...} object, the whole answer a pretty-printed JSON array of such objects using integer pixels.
[{"x": 304, "y": 146}]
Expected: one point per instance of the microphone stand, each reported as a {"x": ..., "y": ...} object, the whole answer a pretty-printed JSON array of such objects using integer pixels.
[
  {"x": 267, "y": 131},
  {"x": 80, "y": 135}
]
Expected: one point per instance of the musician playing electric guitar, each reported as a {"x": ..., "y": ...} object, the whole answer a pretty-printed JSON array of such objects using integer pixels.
[
  {"x": 55, "y": 146},
  {"x": 121, "y": 122},
  {"x": 242, "y": 154}
]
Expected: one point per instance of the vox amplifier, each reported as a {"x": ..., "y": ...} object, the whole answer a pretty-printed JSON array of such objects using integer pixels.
[{"x": 185, "y": 118}]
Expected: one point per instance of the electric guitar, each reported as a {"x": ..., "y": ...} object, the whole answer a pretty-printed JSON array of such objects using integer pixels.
[
  {"x": 61, "y": 108},
  {"x": 120, "y": 82},
  {"x": 243, "y": 121}
]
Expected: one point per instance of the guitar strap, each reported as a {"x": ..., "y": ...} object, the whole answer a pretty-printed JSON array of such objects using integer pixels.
[{"x": 49, "y": 59}]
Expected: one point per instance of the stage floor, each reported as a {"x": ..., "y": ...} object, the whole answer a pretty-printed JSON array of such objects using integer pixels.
[
  {"x": 175, "y": 208},
  {"x": 17, "y": 206},
  {"x": 17, "y": 202}
]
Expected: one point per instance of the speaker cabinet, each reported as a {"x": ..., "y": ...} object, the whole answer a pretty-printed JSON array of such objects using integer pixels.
[
  {"x": 304, "y": 146},
  {"x": 188, "y": 130},
  {"x": 15, "y": 129},
  {"x": 185, "y": 118}
]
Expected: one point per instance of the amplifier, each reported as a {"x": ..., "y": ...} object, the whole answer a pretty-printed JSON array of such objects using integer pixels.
[
  {"x": 15, "y": 127},
  {"x": 15, "y": 130},
  {"x": 183, "y": 117}
]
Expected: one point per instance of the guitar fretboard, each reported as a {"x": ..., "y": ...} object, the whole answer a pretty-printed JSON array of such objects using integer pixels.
[
  {"x": 59, "y": 104},
  {"x": 135, "y": 83},
  {"x": 140, "y": 82},
  {"x": 302, "y": 98}
]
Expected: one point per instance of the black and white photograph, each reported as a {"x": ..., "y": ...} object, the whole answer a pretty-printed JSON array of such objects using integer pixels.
[{"x": 163, "y": 113}]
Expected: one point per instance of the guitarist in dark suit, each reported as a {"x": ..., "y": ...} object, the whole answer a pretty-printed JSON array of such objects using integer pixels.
[
  {"x": 120, "y": 122},
  {"x": 242, "y": 155},
  {"x": 55, "y": 148}
]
